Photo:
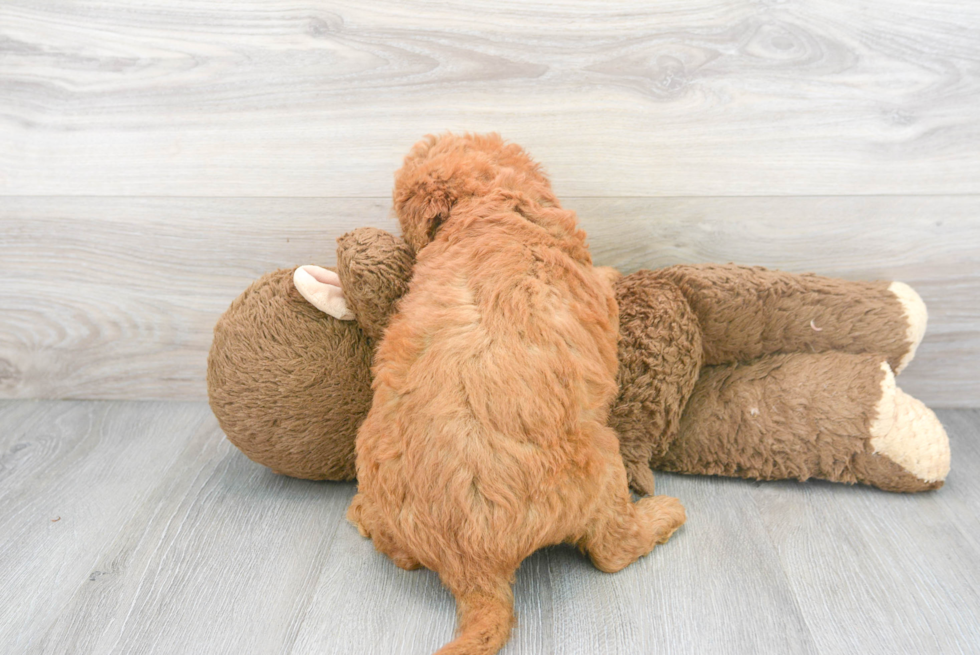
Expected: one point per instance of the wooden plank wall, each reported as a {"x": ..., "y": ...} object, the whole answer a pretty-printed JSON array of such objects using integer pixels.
[{"x": 156, "y": 158}]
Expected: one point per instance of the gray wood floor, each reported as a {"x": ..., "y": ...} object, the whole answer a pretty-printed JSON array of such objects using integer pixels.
[{"x": 134, "y": 527}]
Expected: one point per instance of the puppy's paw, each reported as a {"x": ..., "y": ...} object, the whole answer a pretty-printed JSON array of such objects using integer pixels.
[
  {"x": 666, "y": 513},
  {"x": 354, "y": 513}
]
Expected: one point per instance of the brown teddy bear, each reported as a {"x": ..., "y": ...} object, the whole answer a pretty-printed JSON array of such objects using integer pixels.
[{"x": 724, "y": 370}]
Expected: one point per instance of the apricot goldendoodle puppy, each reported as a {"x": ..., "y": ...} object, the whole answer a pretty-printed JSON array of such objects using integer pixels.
[{"x": 487, "y": 437}]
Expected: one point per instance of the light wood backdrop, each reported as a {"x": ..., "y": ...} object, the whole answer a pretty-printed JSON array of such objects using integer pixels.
[{"x": 155, "y": 158}]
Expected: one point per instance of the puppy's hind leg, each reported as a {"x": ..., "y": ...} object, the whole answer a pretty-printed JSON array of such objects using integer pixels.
[
  {"x": 622, "y": 531},
  {"x": 359, "y": 513}
]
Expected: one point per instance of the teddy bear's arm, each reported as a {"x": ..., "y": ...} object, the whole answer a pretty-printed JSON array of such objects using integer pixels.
[
  {"x": 833, "y": 416},
  {"x": 746, "y": 313},
  {"x": 660, "y": 355},
  {"x": 374, "y": 268}
]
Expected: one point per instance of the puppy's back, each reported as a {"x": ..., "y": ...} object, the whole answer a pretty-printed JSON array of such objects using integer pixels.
[{"x": 495, "y": 375}]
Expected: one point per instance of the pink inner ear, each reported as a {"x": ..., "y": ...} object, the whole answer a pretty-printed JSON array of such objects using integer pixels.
[
  {"x": 321, "y": 288},
  {"x": 323, "y": 275}
]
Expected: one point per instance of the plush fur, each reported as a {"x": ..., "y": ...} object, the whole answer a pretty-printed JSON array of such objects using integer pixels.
[
  {"x": 724, "y": 370},
  {"x": 778, "y": 435},
  {"x": 268, "y": 382},
  {"x": 374, "y": 269},
  {"x": 268, "y": 406},
  {"x": 487, "y": 438},
  {"x": 777, "y": 397}
]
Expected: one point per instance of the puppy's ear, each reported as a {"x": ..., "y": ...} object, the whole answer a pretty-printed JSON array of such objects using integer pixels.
[
  {"x": 438, "y": 172},
  {"x": 321, "y": 287},
  {"x": 441, "y": 171}
]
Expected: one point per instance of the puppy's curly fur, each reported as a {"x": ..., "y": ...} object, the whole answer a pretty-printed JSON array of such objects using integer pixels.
[{"x": 487, "y": 436}]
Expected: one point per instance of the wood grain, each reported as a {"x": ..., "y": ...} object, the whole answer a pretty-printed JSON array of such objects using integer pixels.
[
  {"x": 168, "y": 540},
  {"x": 717, "y": 586},
  {"x": 101, "y": 97},
  {"x": 870, "y": 561},
  {"x": 687, "y": 596},
  {"x": 117, "y": 297},
  {"x": 72, "y": 476}
]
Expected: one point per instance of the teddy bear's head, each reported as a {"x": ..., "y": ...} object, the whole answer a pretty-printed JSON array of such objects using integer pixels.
[{"x": 289, "y": 371}]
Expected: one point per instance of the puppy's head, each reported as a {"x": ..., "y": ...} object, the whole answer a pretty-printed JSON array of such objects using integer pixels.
[{"x": 441, "y": 171}]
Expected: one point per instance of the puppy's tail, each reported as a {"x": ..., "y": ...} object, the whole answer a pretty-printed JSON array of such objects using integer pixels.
[{"x": 485, "y": 619}]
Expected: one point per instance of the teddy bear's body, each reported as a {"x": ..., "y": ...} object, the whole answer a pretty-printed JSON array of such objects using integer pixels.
[
  {"x": 290, "y": 384},
  {"x": 723, "y": 369}
]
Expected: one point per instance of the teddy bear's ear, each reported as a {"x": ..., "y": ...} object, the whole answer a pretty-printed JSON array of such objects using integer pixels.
[{"x": 321, "y": 287}]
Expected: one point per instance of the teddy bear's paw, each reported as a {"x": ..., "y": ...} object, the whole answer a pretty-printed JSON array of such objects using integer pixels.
[
  {"x": 916, "y": 317},
  {"x": 909, "y": 434}
]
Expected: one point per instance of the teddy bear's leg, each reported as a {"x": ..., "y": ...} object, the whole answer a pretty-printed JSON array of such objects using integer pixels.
[
  {"x": 833, "y": 416},
  {"x": 746, "y": 313}
]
